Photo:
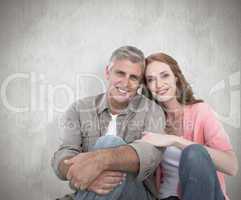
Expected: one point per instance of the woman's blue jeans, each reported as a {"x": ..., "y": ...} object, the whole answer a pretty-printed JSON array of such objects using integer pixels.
[{"x": 197, "y": 174}]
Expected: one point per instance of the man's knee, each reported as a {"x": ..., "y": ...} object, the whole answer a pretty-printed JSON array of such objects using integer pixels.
[{"x": 109, "y": 141}]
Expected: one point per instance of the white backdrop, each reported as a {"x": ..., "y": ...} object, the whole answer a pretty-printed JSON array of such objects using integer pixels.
[{"x": 55, "y": 51}]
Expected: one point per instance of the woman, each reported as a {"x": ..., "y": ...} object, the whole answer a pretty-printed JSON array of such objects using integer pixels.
[{"x": 196, "y": 145}]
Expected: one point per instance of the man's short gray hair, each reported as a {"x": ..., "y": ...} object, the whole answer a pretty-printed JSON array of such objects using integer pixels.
[{"x": 130, "y": 53}]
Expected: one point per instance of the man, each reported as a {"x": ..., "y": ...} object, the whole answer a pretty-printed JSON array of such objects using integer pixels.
[{"x": 99, "y": 156}]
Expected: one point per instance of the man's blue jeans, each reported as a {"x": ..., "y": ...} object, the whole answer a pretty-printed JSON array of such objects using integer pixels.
[
  {"x": 130, "y": 189},
  {"x": 197, "y": 173}
]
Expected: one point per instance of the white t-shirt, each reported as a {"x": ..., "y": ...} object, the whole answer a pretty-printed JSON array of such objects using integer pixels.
[
  {"x": 112, "y": 126},
  {"x": 170, "y": 164}
]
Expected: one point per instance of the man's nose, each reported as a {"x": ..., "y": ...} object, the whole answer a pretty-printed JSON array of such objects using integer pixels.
[{"x": 125, "y": 81}]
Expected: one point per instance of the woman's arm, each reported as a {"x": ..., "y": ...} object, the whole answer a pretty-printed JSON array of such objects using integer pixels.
[{"x": 225, "y": 161}]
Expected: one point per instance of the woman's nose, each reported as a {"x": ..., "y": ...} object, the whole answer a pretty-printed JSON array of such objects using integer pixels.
[{"x": 159, "y": 83}]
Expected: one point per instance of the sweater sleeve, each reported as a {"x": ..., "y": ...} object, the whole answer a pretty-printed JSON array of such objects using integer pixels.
[{"x": 214, "y": 133}]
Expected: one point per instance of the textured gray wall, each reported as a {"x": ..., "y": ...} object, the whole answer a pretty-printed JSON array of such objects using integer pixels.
[{"x": 54, "y": 51}]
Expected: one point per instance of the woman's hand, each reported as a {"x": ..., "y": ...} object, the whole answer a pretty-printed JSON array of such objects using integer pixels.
[{"x": 159, "y": 140}]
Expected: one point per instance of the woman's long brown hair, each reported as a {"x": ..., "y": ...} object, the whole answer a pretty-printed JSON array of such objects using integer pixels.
[{"x": 184, "y": 91}]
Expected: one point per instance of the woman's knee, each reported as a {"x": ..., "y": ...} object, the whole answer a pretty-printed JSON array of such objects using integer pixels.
[{"x": 194, "y": 156}]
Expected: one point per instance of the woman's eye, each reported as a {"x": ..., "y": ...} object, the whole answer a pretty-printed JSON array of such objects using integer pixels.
[
  {"x": 165, "y": 75},
  {"x": 149, "y": 80}
]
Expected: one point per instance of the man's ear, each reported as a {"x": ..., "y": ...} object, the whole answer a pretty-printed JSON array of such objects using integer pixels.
[{"x": 107, "y": 72}]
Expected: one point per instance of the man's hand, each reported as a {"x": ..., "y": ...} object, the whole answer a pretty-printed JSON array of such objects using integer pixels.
[
  {"x": 63, "y": 168},
  {"x": 84, "y": 169},
  {"x": 106, "y": 182}
]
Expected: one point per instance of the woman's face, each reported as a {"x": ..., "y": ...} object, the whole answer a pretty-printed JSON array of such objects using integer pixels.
[{"x": 161, "y": 81}]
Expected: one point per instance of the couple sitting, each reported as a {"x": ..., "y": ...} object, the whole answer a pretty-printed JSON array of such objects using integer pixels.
[{"x": 165, "y": 144}]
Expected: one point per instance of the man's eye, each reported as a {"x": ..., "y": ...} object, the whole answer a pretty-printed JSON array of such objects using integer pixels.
[
  {"x": 134, "y": 78},
  {"x": 120, "y": 73}
]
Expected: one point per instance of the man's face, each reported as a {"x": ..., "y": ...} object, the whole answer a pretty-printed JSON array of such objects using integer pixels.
[{"x": 124, "y": 79}]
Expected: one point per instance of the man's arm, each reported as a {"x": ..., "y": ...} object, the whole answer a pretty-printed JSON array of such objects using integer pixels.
[
  {"x": 86, "y": 167},
  {"x": 123, "y": 158},
  {"x": 70, "y": 146},
  {"x": 149, "y": 155}
]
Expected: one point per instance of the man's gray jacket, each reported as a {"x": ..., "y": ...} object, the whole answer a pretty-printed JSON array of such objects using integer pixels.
[{"x": 88, "y": 119}]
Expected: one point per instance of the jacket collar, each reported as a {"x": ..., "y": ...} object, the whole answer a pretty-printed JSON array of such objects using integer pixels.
[{"x": 103, "y": 105}]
